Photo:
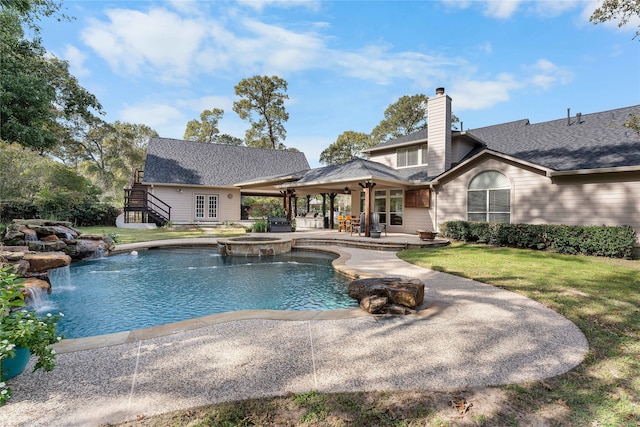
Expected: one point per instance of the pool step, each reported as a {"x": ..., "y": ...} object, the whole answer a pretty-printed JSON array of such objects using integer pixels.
[{"x": 360, "y": 244}]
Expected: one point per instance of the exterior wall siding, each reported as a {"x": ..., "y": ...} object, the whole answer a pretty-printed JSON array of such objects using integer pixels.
[
  {"x": 460, "y": 148},
  {"x": 603, "y": 199},
  {"x": 183, "y": 203},
  {"x": 416, "y": 219},
  {"x": 439, "y": 134},
  {"x": 387, "y": 158}
]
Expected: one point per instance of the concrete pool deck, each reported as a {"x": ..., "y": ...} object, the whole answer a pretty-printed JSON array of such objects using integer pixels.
[{"x": 469, "y": 334}]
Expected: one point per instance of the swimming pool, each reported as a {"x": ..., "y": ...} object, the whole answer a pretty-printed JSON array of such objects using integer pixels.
[{"x": 159, "y": 286}]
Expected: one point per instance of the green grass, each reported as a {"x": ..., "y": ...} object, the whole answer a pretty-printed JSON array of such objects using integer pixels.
[
  {"x": 601, "y": 296},
  {"x": 131, "y": 235}
]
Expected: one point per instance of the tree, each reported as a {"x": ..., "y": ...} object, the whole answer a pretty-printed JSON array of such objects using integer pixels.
[
  {"x": 107, "y": 153},
  {"x": 621, "y": 10},
  {"x": 263, "y": 96},
  {"x": 229, "y": 140},
  {"x": 408, "y": 114},
  {"x": 24, "y": 174},
  {"x": 205, "y": 130},
  {"x": 31, "y": 11},
  {"x": 40, "y": 99},
  {"x": 347, "y": 147}
]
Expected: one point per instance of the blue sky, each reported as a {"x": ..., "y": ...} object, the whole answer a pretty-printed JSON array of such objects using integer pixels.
[{"x": 161, "y": 63}]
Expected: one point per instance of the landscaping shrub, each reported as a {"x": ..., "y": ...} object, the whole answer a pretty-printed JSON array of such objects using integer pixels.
[
  {"x": 608, "y": 241},
  {"x": 79, "y": 210},
  {"x": 260, "y": 226},
  {"x": 12, "y": 209}
]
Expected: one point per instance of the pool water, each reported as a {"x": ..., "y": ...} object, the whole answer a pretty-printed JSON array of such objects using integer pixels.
[{"x": 159, "y": 286}]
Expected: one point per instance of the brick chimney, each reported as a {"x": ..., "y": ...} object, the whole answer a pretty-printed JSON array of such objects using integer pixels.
[{"x": 439, "y": 133}]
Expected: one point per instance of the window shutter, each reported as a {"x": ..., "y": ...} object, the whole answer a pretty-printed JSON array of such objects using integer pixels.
[{"x": 417, "y": 198}]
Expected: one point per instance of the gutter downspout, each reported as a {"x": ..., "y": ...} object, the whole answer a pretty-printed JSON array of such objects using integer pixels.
[{"x": 432, "y": 186}]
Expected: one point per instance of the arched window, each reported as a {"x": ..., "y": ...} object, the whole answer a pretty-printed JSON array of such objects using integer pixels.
[{"x": 489, "y": 198}]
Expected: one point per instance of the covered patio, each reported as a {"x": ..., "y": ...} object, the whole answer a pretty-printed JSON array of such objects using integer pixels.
[{"x": 351, "y": 178}]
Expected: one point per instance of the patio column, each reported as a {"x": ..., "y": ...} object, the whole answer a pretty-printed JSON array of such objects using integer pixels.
[
  {"x": 367, "y": 187},
  {"x": 332, "y": 198},
  {"x": 288, "y": 195},
  {"x": 308, "y": 203},
  {"x": 324, "y": 206}
]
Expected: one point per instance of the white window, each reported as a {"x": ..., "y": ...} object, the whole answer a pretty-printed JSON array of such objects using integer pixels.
[
  {"x": 206, "y": 206},
  {"x": 395, "y": 207},
  {"x": 396, "y": 204},
  {"x": 380, "y": 205},
  {"x": 411, "y": 156},
  {"x": 489, "y": 198}
]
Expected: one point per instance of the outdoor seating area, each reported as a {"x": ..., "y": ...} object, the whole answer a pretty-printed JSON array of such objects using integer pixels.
[
  {"x": 279, "y": 225},
  {"x": 356, "y": 224}
]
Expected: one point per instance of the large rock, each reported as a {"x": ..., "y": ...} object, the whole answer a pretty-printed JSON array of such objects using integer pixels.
[
  {"x": 32, "y": 282},
  {"x": 374, "y": 304},
  {"x": 46, "y": 261},
  {"x": 406, "y": 292},
  {"x": 42, "y": 246}
]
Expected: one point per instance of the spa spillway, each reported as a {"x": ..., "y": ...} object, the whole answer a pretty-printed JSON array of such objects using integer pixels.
[{"x": 253, "y": 246}]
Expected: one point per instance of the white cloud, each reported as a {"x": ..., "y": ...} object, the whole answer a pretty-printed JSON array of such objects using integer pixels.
[
  {"x": 381, "y": 65},
  {"x": 282, "y": 50},
  {"x": 167, "y": 120},
  {"x": 76, "y": 60},
  {"x": 134, "y": 42},
  {"x": 501, "y": 9},
  {"x": 478, "y": 95},
  {"x": 504, "y": 9},
  {"x": 260, "y": 5},
  {"x": 553, "y": 8},
  {"x": 546, "y": 74}
]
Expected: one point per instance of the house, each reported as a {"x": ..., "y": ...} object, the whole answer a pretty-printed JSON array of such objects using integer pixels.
[
  {"x": 583, "y": 169},
  {"x": 190, "y": 182}
]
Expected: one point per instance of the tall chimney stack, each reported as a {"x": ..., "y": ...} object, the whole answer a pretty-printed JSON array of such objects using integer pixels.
[{"x": 439, "y": 133}]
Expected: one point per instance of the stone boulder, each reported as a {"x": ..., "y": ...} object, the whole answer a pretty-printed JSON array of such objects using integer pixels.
[
  {"x": 374, "y": 304},
  {"x": 405, "y": 292},
  {"x": 39, "y": 262},
  {"x": 32, "y": 282}
]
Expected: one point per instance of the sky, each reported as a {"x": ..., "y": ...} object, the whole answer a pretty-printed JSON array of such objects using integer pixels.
[{"x": 161, "y": 63}]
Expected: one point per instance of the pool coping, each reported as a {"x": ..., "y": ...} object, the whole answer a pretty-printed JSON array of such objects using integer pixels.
[{"x": 428, "y": 309}]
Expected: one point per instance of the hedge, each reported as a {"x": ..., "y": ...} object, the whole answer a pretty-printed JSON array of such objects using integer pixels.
[
  {"x": 80, "y": 212},
  {"x": 607, "y": 241}
]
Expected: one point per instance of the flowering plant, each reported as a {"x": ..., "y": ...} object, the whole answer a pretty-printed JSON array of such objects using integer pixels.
[{"x": 23, "y": 328}]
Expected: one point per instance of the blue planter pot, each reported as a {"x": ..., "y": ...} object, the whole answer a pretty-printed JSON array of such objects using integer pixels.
[{"x": 10, "y": 367}]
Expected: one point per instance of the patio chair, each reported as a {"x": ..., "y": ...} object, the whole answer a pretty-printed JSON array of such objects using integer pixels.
[
  {"x": 375, "y": 224},
  {"x": 341, "y": 223},
  {"x": 357, "y": 225},
  {"x": 348, "y": 223}
]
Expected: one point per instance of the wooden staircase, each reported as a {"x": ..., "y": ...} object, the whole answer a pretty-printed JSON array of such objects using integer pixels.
[{"x": 142, "y": 206}]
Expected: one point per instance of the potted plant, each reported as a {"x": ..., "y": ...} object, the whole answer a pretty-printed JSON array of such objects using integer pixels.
[{"x": 23, "y": 333}]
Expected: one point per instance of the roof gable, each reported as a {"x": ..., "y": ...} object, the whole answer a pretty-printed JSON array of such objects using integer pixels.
[{"x": 174, "y": 161}]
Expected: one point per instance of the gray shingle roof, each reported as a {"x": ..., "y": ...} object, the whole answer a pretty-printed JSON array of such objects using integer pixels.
[
  {"x": 174, "y": 161},
  {"x": 353, "y": 169},
  {"x": 600, "y": 140}
]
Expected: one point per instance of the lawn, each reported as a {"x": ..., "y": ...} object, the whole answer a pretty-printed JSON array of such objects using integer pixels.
[
  {"x": 601, "y": 296},
  {"x": 132, "y": 235}
]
